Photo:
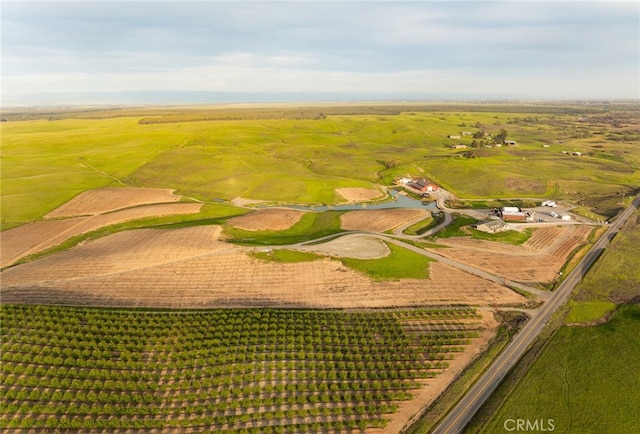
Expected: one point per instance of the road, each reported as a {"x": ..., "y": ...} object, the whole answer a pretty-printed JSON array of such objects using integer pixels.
[{"x": 462, "y": 413}]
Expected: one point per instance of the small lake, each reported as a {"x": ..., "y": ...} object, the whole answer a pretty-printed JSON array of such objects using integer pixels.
[{"x": 399, "y": 201}]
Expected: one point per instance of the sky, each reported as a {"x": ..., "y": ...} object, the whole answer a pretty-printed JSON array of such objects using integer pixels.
[{"x": 96, "y": 52}]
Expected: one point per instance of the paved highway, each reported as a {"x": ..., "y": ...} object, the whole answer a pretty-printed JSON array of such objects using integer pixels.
[{"x": 462, "y": 413}]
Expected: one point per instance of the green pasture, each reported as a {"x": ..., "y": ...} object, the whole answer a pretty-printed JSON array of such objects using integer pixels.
[
  {"x": 300, "y": 159},
  {"x": 509, "y": 237},
  {"x": 587, "y": 311},
  {"x": 455, "y": 228},
  {"x": 585, "y": 380},
  {"x": 399, "y": 264},
  {"x": 422, "y": 226},
  {"x": 286, "y": 256},
  {"x": 613, "y": 279}
]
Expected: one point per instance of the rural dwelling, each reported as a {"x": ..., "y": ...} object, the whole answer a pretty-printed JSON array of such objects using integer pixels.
[
  {"x": 423, "y": 185},
  {"x": 492, "y": 227},
  {"x": 454, "y": 136},
  {"x": 510, "y": 142}
]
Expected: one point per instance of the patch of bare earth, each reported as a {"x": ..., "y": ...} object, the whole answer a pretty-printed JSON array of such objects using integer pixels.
[
  {"x": 379, "y": 220},
  {"x": 243, "y": 201},
  {"x": 191, "y": 268},
  {"x": 409, "y": 411},
  {"x": 350, "y": 246},
  {"x": 271, "y": 219},
  {"x": 104, "y": 200},
  {"x": 359, "y": 194},
  {"x": 16, "y": 243},
  {"x": 538, "y": 260}
]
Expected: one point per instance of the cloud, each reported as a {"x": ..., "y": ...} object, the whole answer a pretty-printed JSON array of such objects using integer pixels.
[{"x": 519, "y": 48}]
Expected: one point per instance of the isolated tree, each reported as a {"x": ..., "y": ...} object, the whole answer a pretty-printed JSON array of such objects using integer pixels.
[{"x": 501, "y": 136}]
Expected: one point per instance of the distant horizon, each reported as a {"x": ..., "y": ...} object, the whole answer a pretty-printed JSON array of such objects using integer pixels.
[{"x": 232, "y": 99}]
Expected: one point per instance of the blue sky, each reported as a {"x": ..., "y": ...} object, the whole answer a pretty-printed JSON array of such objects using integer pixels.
[{"x": 169, "y": 51}]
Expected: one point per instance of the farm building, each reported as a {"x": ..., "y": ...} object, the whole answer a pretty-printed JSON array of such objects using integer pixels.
[
  {"x": 423, "y": 185},
  {"x": 519, "y": 216},
  {"x": 459, "y": 146},
  {"x": 510, "y": 142},
  {"x": 577, "y": 154},
  {"x": 492, "y": 227},
  {"x": 453, "y": 136},
  {"x": 511, "y": 209},
  {"x": 466, "y": 133},
  {"x": 565, "y": 217}
]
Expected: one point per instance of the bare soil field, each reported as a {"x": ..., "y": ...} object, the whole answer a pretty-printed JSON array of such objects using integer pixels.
[
  {"x": 538, "y": 260},
  {"x": 35, "y": 237},
  {"x": 104, "y": 200},
  {"x": 379, "y": 220},
  {"x": 17, "y": 242},
  {"x": 350, "y": 246},
  {"x": 191, "y": 268},
  {"x": 358, "y": 194},
  {"x": 272, "y": 219},
  {"x": 544, "y": 238}
]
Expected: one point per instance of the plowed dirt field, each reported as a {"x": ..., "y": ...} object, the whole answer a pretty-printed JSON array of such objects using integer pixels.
[
  {"x": 358, "y": 194},
  {"x": 35, "y": 237},
  {"x": 272, "y": 219},
  {"x": 190, "y": 267},
  {"x": 538, "y": 260},
  {"x": 103, "y": 200},
  {"x": 379, "y": 220}
]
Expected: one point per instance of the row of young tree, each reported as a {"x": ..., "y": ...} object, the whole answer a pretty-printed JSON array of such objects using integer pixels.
[{"x": 226, "y": 370}]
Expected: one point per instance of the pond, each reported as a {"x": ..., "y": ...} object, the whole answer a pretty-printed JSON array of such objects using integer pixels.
[{"x": 399, "y": 201}]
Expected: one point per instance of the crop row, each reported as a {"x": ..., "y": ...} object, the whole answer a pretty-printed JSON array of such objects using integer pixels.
[
  {"x": 200, "y": 425},
  {"x": 276, "y": 370}
]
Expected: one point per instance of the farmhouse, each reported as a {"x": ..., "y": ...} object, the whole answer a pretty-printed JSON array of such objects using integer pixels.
[
  {"x": 492, "y": 227},
  {"x": 423, "y": 185}
]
